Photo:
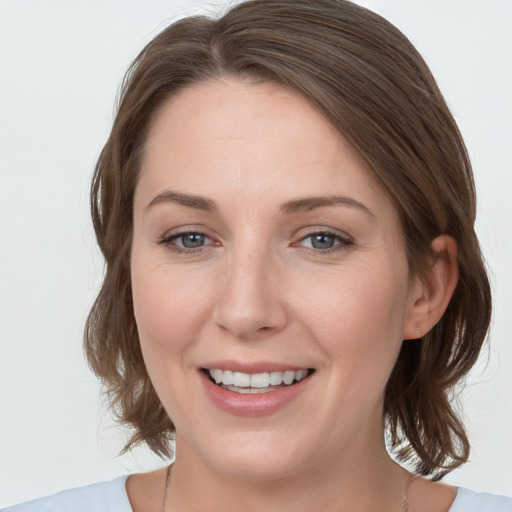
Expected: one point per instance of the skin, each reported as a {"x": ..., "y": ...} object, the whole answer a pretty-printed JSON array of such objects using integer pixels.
[{"x": 257, "y": 289}]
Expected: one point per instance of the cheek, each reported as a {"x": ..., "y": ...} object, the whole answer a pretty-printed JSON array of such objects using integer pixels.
[
  {"x": 168, "y": 308},
  {"x": 357, "y": 317},
  {"x": 169, "y": 315}
]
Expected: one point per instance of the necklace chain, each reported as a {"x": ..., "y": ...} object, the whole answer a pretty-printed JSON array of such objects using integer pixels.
[
  {"x": 167, "y": 481},
  {"x": 404, "y": 502}
]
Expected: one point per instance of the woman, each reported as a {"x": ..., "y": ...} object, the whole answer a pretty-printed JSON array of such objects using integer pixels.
[{"x": 286, "y": 210}]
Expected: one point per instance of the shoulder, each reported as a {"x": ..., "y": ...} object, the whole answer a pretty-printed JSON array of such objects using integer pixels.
[
  {"x": 100, "y": 497},
  {"x": 470, "y": 501}
]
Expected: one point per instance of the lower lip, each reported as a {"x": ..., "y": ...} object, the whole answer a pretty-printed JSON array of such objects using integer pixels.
[{"x": 254, "y": 404}]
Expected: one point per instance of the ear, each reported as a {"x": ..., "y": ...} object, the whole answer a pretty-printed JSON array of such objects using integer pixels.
[{"x": 430, "y": 294}]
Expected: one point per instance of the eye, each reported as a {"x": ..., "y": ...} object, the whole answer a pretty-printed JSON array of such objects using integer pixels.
[
  {"x": 187, "y": 241},
  {"x": 324, "y": 241},
  {"x": 321, "y": 240},
  {"x": 190, "y": 240}
]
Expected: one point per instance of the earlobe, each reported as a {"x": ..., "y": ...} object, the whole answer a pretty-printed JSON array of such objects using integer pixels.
[{"x": 431, "y": 293}]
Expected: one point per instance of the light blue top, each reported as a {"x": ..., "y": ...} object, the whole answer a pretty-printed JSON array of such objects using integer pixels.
[{"x": 111, "y": 497}]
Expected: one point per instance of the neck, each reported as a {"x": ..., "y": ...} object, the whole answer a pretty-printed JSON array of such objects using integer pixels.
[{"x": 365, "y": 478}]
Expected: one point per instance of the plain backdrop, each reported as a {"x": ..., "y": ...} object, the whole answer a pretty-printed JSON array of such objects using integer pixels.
[{"x": 61, "y": 62}]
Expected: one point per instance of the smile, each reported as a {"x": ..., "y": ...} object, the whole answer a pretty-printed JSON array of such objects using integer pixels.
[
  {"x": 252, "y": 383},
  {"x": 254, "y": 392}
]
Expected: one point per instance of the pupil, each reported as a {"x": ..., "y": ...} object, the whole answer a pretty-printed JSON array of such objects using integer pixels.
[
  {"x": 322, "y": 241},
  {"x": 192, "y": 240}
]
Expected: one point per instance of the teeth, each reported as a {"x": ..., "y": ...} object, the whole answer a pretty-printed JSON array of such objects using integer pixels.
[
  {"x": 241, "y": 380},
  {"x": 276, "y": 378},
  {"x": 228, "y": 378},
  {"x": 300, "y": 375},
  {"x": 256, "y": 380},
  {"x": 260, "y": 380},
  {"x": 288, "y": 377}
]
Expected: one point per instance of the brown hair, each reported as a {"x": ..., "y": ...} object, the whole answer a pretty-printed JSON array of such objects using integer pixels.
[{"x": 371, "y": 83}]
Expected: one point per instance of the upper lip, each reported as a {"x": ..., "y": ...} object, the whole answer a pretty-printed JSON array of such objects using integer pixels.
[{"x": 252, "y": 366}]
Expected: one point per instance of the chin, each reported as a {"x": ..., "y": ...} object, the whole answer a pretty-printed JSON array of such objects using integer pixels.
[{"x": 256, "y": 455}]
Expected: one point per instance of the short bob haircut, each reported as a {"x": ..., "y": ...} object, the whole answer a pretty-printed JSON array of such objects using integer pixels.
[{"x": 365, "y": 76}]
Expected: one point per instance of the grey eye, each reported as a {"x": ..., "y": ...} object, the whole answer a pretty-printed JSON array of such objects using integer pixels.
[
  {"x": 191, "y": 240},
  {"x": 322, "y": 241}
]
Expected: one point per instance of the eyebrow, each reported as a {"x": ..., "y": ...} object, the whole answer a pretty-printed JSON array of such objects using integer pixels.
[
  {"x": 310, "y": 203},
  {"x": 191, "y": 201},
  {"x": 305, "y": 204}
]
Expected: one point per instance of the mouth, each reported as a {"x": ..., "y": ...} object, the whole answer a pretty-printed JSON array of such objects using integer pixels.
[{"x": 256, "y": 383}]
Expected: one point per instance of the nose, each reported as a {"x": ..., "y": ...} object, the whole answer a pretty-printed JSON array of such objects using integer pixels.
[{"x": 251, "y": 302}]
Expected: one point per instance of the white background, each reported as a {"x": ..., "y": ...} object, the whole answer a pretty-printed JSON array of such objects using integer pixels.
[{"x": 61, "y": 62}]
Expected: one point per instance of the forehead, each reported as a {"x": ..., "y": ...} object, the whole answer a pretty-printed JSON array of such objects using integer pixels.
[{"x": 246, "y": 141}]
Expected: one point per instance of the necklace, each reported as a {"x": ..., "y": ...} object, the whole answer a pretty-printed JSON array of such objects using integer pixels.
[
  {"x": 404, "y": 502},
  {"x": 167, "y": 481}
]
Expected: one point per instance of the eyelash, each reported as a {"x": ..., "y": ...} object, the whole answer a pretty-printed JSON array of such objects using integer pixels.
[
  {"x": 343, "y": 242},
  {"x": 168, "y": 241}
]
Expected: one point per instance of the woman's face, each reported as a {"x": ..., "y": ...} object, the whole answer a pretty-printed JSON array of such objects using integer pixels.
[{"x": 264, "y": 250}]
